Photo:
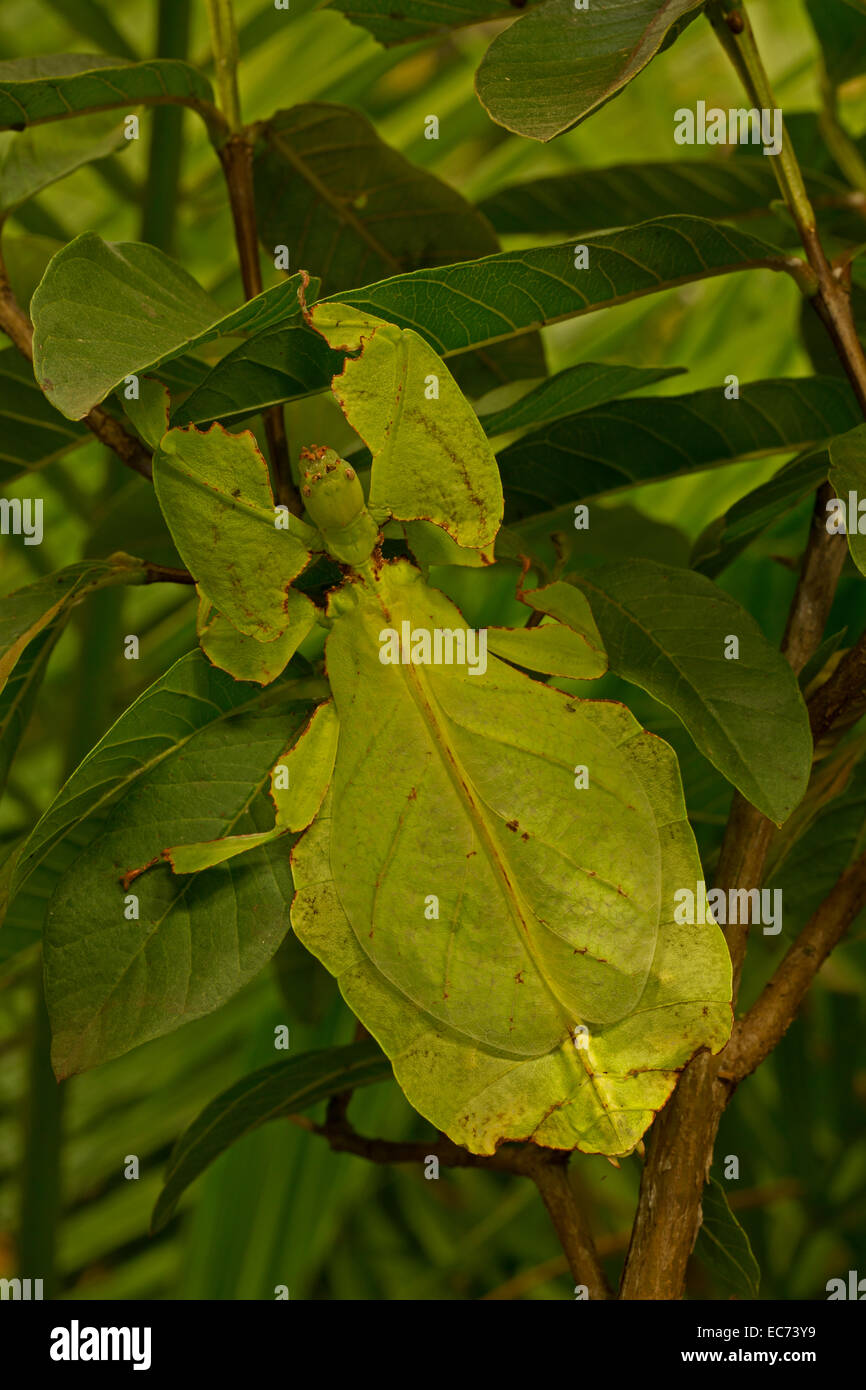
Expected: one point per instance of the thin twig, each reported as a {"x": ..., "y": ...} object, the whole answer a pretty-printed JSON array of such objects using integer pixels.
[
  {"x": 165, "y": 574},
  {"x": 236, "y": 159}
]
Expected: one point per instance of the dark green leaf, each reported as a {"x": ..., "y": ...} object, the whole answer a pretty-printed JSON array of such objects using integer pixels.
[
  {"x": 89, "y": 19},
  {"x": 185, "y": 763},
  {"x": 32, "y": 433},
  {"x": 629, "y": 442},
  {"x": 575, "y": 389},
  {"x": 557, "y": 65},
  {"x": 591, "y": 200},
  {"x": 27, "y": 612},
  {"x": 272, "y": 1093},
  {"x": 823, "y": 838},
  {"x": 460, "y": 307},
  {"x": 723, "y": 1246},
  {"x": 841, "y": 29},
  {"x": 19, "y": 695},
  {"x": 30, "y": 160},
  {"x": 498, "y": 300},
  {"x": 667, "y": 631},
  {"x": 403, "y": 21},
  {"x": 728, "y": 535},
  {"x": 280, "y": 364},
  {"x": 350, "y": 208},
  {"x": 33, "y": 90},
  {"x": 848, "y": 479}
]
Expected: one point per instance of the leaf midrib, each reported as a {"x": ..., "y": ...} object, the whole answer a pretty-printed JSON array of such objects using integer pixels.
[{"x": 424, "y": 702}]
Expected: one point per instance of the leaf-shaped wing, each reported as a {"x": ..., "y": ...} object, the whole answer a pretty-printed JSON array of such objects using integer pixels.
[
  {"x": 431, "y": 458},
  {"x": 506, "y": 935}
]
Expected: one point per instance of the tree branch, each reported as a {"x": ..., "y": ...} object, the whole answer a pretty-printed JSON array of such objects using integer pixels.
[
  {"x": 547, "y": 1168},
  {"x": 816, "y": 587},
  {"x": 841, "y": 690},
  {"x": 784, "y": 1190}
]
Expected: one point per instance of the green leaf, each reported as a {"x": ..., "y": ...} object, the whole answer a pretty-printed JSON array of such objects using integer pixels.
[
  {"x": 351, "y": 207},
  {"x": 431, "y": 458},
  {"x": 616, "y": 533},
  {"x": 568, "y": 605},
  {"x": 104, "y": 311},
  {"x": 132, "y": 509},
  {"x": 14, "y": 938},
  {"x": 490, "y": 908},
  {"x": 727, "y": 536},
  {"x": 216, "y": 496},
  {"x": 466, "y": 306},
  {"x": 398, "y": 21},
  {"x": 847, "y": 476},
  {"x": 557, "y": 65},
  {"x": 19, "y": 694},
  {"x": 298, "y": 786},
  {"x": 32, "y": 433},
  {"x": 666, "y": 630},
  {"x": 307, "y": 990},
  {"x": 89, "y": 20},
  {"x": 276, "y": 365},
  {"x": 27, "y": 612},
  {"x": 186, "y": 762},
  {"x": 191, "y": 698},
  {"x": 823, "y": 838},
  {"x": 639, "y": 441},
  {"x": 573, "y": 390},
  {"x": 550, "y": 647},
  {"x": 498, "y": 301},
  {"x": 591, "y": 200},
  {"x": 50, "y": 88},
  {"x": 284, "y": 1088},
  {"x": 723, "y": 1246},
  {"x": 33, "y": 159},
  {"x": 244, "y": 657},
  {"x": 149, "y": 410},
  {"x": 841, "y": 30}
]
